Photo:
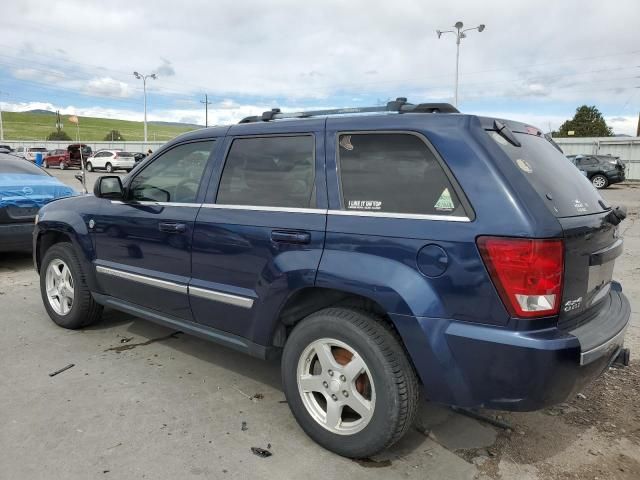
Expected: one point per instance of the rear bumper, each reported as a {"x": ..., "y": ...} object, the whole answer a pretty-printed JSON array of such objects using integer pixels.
[
  {"x": 470, "y": 365},
  {"x": 16, "y": 237},
  {"x": 616, "y": 177}
]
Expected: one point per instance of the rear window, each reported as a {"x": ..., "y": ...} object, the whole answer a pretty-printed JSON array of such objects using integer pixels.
[
  {"x": 9, "y": 165},
  {"x": 38, "y": 149},
  {"x": 566, "y": 191},
  {"x": 394, "y": 173}
]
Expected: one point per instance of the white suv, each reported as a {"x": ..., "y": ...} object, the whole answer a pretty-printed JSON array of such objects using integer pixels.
[{"x": 111, "y": 160}]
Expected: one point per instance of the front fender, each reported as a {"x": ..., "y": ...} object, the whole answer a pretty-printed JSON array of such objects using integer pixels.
[{"x": 72, "y": 224}]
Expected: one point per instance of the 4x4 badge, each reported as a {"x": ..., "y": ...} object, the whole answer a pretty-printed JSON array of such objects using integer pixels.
[{"x": 572, "y": 304}]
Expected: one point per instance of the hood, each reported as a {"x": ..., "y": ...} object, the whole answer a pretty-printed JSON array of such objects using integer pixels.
[{"x": 24, "y": 190}]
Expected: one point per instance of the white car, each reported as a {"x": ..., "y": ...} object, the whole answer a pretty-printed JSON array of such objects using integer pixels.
[
  {"x": 111, "y": 160},
  {"x": 29, "y": 153}
]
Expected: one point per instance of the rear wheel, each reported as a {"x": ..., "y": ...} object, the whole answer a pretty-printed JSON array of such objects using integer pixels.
[
  {"x": 348, "y": 382},
  {"x": 108, "y": 167},
  {"x": 64, "y": 290},
  {"x": 599, "y": 181},
  {"x": 89, "y": 167}
]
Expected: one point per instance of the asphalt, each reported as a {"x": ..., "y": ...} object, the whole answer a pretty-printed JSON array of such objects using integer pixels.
[{"x": 142, "y": 403}]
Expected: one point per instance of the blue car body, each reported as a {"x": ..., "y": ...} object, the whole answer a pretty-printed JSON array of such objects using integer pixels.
[
  {"x": 24, "y": 189},
  {"x": 241, "y": 276}
]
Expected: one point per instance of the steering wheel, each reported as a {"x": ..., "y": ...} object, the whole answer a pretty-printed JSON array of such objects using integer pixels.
[{"x": 186, "y": 188}]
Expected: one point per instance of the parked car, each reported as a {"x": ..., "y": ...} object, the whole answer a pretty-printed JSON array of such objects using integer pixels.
[
  {"x": 29, "y": 153},
  {"x": 6, "y": 147},
  {"x": 602, "y": 170},
  {"x": 139, "y": 156},
  {"x": 75, "y": 152},
  {"x": 111, "y": 160},
  {"x": 61, "y": 159},
  {"x": 24, "y": 188},
  {"x": 373, "y": 253}
]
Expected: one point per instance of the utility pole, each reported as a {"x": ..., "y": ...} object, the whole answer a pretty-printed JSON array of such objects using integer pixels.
[
  {"x": 206, "y": 109},
  {"x": 637, "y": 129},
  {"x": 460, "y": 34}
]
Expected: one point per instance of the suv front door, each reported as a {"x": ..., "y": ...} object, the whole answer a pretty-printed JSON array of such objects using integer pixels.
[
  {"x": 260, "y": 234},
  {"x": 143, "y": 243}
]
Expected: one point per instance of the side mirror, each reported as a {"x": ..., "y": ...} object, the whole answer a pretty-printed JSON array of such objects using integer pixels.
[{"x": 109, "y": 186}]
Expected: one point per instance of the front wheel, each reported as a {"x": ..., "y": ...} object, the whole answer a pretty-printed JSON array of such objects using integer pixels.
[
  {"x": 349, "y": 382},
  {"x": 62, "y": 166},
  {"x": 109, "y": 168},
  {"x": 599, "y": 181},
  {"x": 89, "y": 167},
  {"x": 45, "y": 164},
  {"x": 64, "y": 290}
]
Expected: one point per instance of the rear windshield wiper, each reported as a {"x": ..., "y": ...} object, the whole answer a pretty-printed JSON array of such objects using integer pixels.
[{"x": 506, "y": 133}]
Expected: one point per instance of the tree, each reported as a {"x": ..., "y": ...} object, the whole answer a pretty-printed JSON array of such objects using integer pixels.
[
  {"x": 58, "y": 135},
  {"x": 587, "y": 122},
  {"x": 114, "y": 136}
]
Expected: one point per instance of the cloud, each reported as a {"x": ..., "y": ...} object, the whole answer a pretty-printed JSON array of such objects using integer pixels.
[
  {"x": 39, "y": 75},
  {"x": 165, "y": 69},
  {"x": 107, "y": 87}
]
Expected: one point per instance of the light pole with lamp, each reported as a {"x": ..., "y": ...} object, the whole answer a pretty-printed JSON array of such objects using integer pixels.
[
  {"x": 459, "y": 33},
  {"x": 144, "y": 87}
]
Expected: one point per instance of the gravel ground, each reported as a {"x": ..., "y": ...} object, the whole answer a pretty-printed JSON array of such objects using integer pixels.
[{"x": 143, "y": 403}]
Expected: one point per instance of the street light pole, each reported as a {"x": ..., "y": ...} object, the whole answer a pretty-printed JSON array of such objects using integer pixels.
[
  {"x": 144, "y": 88},
  {"x": 460, "y": 34}
]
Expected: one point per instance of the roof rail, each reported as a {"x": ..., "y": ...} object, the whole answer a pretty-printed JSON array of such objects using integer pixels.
[{"x": 398, "y": 105}]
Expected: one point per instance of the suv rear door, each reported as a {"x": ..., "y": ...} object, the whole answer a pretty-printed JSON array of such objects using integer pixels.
[
  {"x": 591, "y": 241},
  {"x": 143, "y": 243},
  {"x": 260, "y": 234}
]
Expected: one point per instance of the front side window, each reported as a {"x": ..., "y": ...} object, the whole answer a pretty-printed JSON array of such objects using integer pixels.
[
  {"x": 394, "y": 173},
  {"x": 174, "y": 176},
  {"x": 269, "y": 171}
]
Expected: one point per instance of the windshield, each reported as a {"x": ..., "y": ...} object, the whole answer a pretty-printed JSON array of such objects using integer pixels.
[
  {"x": 125, "y": 154},
  {"x": 566, "y": 191}
]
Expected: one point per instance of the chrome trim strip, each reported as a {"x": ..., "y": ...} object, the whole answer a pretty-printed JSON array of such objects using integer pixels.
[
  {"x": 412, "y": 216},
  {"x": 217, "y": 296},
  {"x": 590, "y": 355},
  {"x": 158, "y": 204},
  {"x": 265, "y": 209},
  {"x": 134, "y": 277}
]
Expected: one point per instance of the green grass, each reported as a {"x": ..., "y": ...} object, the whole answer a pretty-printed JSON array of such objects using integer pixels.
[{"x": 36, "y": 126}]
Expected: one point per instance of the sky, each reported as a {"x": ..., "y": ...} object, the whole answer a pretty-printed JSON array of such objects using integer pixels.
[{"x": 535, "y": 61}]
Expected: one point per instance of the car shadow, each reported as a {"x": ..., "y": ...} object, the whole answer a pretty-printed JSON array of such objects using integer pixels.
[
  {"x": 14, "y": 261},
  {"x": 436, "y": 422}
]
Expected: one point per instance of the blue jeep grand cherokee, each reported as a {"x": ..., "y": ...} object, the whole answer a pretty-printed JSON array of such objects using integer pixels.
[{"x": 377, "y": 253}]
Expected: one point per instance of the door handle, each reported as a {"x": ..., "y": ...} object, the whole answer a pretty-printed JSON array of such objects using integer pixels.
[
  {"x": 172, "y": 227},
  {"x": 283, "y": 236}
]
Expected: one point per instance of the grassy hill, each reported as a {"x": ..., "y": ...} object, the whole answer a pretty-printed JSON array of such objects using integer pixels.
[{"x": 38, "y": 124}]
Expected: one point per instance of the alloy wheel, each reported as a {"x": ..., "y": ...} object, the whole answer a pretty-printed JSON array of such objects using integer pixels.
[
  {"x": 60, "y": 287},
  {"x": 336, "y": 386}
]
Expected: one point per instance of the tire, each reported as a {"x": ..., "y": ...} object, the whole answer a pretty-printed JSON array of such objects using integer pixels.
[
  {"x": 45, "y": 164},
  {"x": 386, "y": 389},
  {"x": 600, "y": 181},
  {"x": 62, "y": 166},
  {"x": 83, "y": 309},
  {"x": 108, "y": 167},
  {"x": 89, "y": 167}
]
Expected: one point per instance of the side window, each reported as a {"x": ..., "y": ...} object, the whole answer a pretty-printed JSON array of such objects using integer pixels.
[
  {"x": 394, "y": 173},
  {"x": 174, "y": 176},
  {"x": 269, "y": 171}
]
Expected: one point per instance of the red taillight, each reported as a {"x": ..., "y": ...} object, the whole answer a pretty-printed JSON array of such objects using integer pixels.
[{"x": 526, "y": 272}]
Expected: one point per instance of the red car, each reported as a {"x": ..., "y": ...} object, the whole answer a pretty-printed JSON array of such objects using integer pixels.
[{"x": 61, "y": 159}]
